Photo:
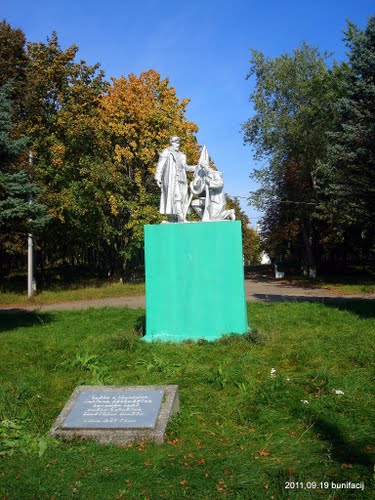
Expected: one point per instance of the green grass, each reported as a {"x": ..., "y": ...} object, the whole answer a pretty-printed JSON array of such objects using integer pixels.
[
  {"x": 350, "y": 289},
  {"x": 239, "y": 434},
  {"x": 343, "y": 285},
  {"x": 71, "y": 286},
  {"x": 98, "y": 290}
]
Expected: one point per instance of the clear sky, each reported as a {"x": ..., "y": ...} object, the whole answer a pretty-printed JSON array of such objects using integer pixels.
[{"x": 202, "y": 46}]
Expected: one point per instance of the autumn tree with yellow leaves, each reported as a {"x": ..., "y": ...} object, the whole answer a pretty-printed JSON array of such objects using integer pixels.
[
  {"x": 138, "y": 115},
  {"x": 95, "y": 146}
]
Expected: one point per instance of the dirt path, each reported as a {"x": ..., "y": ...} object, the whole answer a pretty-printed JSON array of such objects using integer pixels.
[{"x": 257, "y": 290}]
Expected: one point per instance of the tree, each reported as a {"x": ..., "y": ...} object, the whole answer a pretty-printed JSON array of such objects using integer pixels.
[
  {"x": 138, "y": 115},
  {"x": 292, "y": 100},
  {"x": 20, "y": 212},
  {"x": 13, "y": 61},
  {"x": 251, "y": 245},
  {"x": 95, "y": 147},
  {"x": 349, "y": 172},
  {"x": 61, "y": 114}
]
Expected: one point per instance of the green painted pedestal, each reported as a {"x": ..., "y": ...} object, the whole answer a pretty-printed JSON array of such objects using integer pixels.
[{"x": 194, "y": 281}]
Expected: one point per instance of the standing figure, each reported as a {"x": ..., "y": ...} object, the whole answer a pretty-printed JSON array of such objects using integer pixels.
[{"x": 171, "y": 177}]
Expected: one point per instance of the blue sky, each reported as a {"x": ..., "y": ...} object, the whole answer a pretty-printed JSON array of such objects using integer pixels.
[{"x": 202, "y": 46}]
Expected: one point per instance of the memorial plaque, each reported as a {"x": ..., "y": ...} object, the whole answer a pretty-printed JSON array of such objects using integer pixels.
[
  {"x": 115, "y": 410},
  {"x": 117, "y": 414}
]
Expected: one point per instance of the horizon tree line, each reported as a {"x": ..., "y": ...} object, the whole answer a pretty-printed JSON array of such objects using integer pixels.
[{"x": 87, "y": 188}]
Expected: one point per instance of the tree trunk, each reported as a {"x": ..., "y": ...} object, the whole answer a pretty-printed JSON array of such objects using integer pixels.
[{"x": 308, "y": 238}]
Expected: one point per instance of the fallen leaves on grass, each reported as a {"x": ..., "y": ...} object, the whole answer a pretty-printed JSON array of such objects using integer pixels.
[
  {"x": 173, "y": 442},
  {"x": 263, "y": 452},
  {"x": 220, "y": 486}
]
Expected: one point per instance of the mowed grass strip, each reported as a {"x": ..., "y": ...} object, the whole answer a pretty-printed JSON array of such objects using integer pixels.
[
  {"x": 292, "y": 402},
  {"x": 100, "y": 290},
  {"x": 343, "y": 285},
  {"x": 14, "y": 292}
]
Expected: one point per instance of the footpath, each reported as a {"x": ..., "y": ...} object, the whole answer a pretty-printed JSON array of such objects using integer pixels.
[{"x": 257, "y": 290}]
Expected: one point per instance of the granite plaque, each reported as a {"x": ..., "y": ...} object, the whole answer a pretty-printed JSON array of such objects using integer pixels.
[
  {"x": 115, "y": 410},
  {"x": 117, "y": 414}
]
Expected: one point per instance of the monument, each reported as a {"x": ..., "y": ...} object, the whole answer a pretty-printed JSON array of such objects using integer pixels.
[
  {"x": 194, "y": 270},
  {"x": 207, "y": 183}
]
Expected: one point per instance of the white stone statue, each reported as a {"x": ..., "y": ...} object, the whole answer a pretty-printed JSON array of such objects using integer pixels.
[
  {"x": 209, "y": 184},
  {"x": 171, "y": 177}
]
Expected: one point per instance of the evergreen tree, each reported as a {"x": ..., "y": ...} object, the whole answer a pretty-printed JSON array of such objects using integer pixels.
[
  {"x": 350, "y": 170},
  {"x": 20, "y": 213}
]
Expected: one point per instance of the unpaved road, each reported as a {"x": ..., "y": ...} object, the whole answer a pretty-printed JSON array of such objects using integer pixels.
[{"x": 257, "y": 290}]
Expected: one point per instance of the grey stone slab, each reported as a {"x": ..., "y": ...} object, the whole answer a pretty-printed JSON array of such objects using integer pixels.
[
  {"x": 118, "y": 415},
  {"x": 115, "y": 410}
]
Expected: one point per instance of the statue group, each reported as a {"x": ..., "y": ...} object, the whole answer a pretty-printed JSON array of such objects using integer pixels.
[{"x": 205, "y": 196}]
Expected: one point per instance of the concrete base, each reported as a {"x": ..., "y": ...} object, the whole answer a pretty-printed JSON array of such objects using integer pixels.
[{"x": 194, "y": 281}]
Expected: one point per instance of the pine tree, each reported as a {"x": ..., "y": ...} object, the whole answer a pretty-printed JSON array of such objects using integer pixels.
[
  {"x": 351, "y": 166},
  {"x": 19, "y": 210}
]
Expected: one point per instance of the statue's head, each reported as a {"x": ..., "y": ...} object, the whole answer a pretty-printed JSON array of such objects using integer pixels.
[{"x": 175, "y": 142}]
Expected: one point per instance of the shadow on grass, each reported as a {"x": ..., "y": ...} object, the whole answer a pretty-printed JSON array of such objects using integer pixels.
[
  {"x": 343, "y": 451},
  {"x": 19, "y": 318},
  {"x": 364, "y": 308}
]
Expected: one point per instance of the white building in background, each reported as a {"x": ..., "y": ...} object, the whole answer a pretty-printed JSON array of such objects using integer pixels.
[{"x": 264, "y": 258}]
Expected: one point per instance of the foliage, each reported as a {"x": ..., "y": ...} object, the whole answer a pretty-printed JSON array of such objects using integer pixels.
[
  {"x": 95, "y": 146},
  {"x": 251, "y": 245},
  {"x": 293, "y": 112},
  {"x": 10, "y": 148},
  {"x": 13, "y": 61},
  {"x": 243, "y": 429},
  {"x": 20, "y": 211},
  {"x": 61, "y": 119},
  {"x": 14, "y": 439},
  {"x": 349, "y": 172},
  {"x": 314, "y": 124},
  {"x": 97, "y": 371},
  {"x": 138, "y": 115}
]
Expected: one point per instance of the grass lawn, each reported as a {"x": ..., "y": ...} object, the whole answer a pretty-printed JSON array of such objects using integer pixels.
[
  {"x": 97, "y": 290},
  {"x": 344, "y": 285},
  {"x": 241, "y": 432},
  {"x": 60, "y": 289},
  {"x": 361, "y": 287}
]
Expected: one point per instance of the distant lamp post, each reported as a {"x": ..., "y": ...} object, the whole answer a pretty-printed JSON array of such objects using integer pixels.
[{"x": 31, "y": 285}]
